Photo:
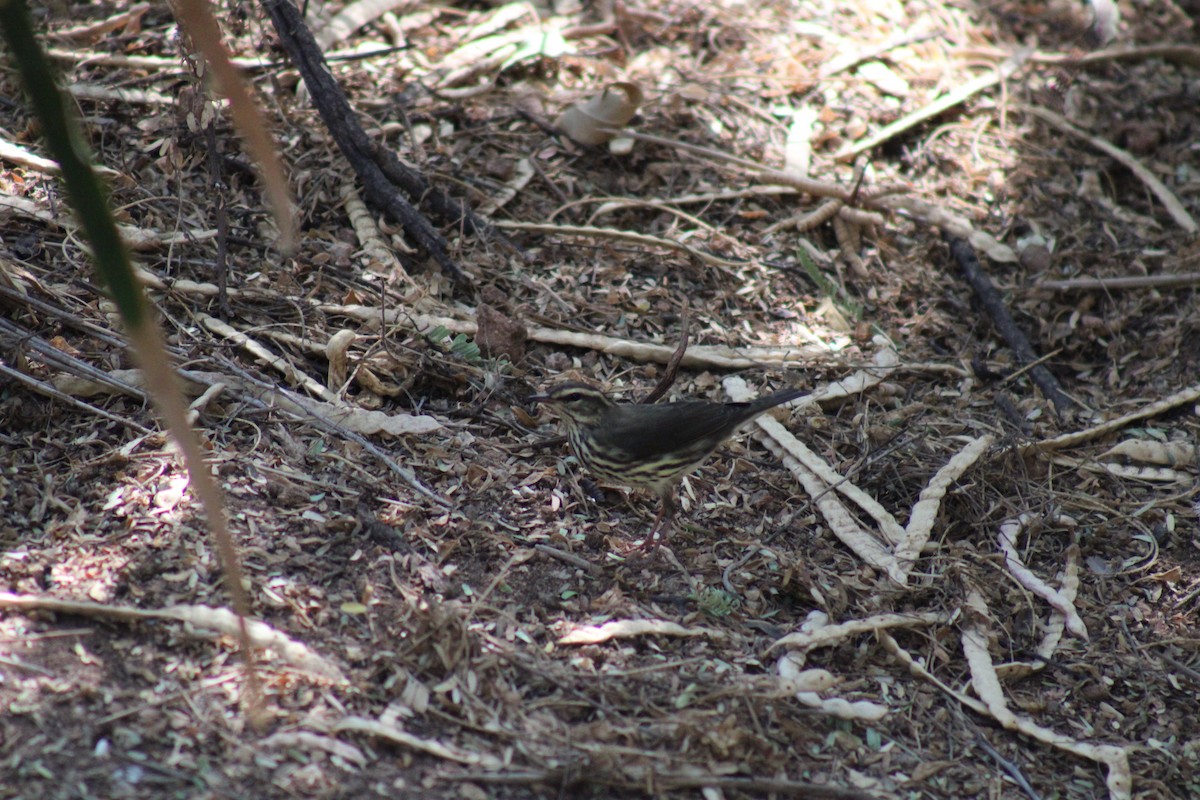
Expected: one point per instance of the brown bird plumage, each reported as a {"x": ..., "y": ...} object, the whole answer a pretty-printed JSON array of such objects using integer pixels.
[{"x": 649, "y": 446}]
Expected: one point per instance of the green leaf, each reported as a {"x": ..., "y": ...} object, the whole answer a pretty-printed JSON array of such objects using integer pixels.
[
  {"x": 550, "y": 44},
  {"x": 835, "y": 293},
  {"x": 462, "y": 346}
]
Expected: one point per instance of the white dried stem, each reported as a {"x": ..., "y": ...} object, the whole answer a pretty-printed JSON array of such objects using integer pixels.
[{"x": 924, "y": 513}]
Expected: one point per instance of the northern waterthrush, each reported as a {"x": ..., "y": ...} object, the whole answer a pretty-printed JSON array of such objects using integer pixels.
[{"x": 649, "y": 446}]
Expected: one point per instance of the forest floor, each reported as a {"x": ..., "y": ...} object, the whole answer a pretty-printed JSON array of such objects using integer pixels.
[{"x": 500, "y": 634}]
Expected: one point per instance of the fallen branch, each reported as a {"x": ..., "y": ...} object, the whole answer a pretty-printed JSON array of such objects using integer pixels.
[
  {"x": 668, "y": 376},
  {"x": 625, "y": 236},
  {"x": 383, "y": 176}
]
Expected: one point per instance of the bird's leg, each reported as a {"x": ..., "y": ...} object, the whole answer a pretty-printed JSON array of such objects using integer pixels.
[{"x": 665, "y": 521}]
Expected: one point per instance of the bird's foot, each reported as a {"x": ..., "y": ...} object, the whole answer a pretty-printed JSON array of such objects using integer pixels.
[{"x": 659, "y": 534}]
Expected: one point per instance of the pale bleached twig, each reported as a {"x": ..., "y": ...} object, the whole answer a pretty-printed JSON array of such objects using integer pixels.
[
  {"x": 949, "y": 222},
  {"x": 352, "y": 17},
  {"x": 924, "y": 513},
  {"x": 1007, "y": 541},
  {"x": 94, "y": 30},
  {"x": 952, "y": 98},
  {"x": 986, "y": 684},
  {"x": 828, "y": 635},
  {"x": 1052, "y": 632},
  {"x": 220, "y": 620},
  {"x": 819, "y": 480},
  {"x": 392, "y": 732},
  {"x": 697, "y": 356},
  {"x": 809, "y": 685},
  {"x": 381, "y": 256},
  {"x": 137, "y": 239},
  {"x": 1175, "y": 208},
  {"x": 1166, "y": 281},
  {"x": 1182, "y": 397},
  {"x": 53, "y": 392},
  {"x": 624, "y": 236},
  {"x": 22, "y": 157},
  {"x": 111, "y": 94},
  {"x": 1179, "y": 53},
  {"x": 294, "y": 376},
  {"x": 867, "y": 198},
  {"x": 630, "y": 628}
]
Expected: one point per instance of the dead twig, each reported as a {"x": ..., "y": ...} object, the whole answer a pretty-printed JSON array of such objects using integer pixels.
[
  {"x": 946, "y": 101},
  {"x": 672, "y": 369},
  {"x": 1174, "y": 207},
  {"x": 1180, "y": 281},
  {"x": 382, "y": 174},
  {"x": 570, "y": 558},
  {"x": 48, "y": 390},
  {"x": 195, "y": 617},
  {"x": 1180, "y": 398},
  {"x": 325, "y": 423},
  {"x": 993, "y": 304},
  {"x": 1011, "y": 769},
  {"x": 625, "y": 236}
]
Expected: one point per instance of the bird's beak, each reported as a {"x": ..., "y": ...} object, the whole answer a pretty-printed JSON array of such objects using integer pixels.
[{"x": 538, "y": 398}]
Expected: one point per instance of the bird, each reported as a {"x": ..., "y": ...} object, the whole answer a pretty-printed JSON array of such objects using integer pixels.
[{"x": 649, "y": 446}]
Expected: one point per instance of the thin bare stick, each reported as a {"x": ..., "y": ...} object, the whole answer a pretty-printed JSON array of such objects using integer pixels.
[
  {"x": 1175, "y": 208},
  {"x": 672, "y": 369},
  {"x": 570, "y": 558},
  {"x": 613, "y": 233},
  {"x": 49, "y": 390},
  {"x": 993, "y": 303},
  {"x": 1180, "y": 398},
  {"x": 946, "y": 101},
  {"x": 1180, "y": 281},
  {"x": 1178, "y": 53},
  {"x": 798, "y": 182}
]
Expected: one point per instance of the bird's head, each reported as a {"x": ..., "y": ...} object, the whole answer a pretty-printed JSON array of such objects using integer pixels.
[{"x": 578, "y": 403}]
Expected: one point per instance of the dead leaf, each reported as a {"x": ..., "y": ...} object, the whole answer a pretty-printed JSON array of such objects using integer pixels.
[
  {"x": 595, "y": 120},
  {"x": 499, "y": 335}
]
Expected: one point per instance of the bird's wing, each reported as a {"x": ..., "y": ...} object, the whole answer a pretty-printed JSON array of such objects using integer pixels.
[{"x": 670, "y": 427}]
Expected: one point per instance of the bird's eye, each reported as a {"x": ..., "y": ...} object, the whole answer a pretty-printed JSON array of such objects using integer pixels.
[{"x": 572, "y": 397}]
